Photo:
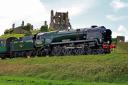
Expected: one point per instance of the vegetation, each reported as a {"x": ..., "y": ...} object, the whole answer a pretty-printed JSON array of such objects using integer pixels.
[
  {"x": 11, "y": 35},
  {"x": 28, "y": 27},
  {"x": 99, "y": 68},
  {"x": 44, "y": 28},
  {"x": 28, "y": 30},
  {"x": 8, "y": 31},
  {"x": 107, "y": 69},
  {"x": 5, "y": 80},
  {"x": 122, "y": 48}
]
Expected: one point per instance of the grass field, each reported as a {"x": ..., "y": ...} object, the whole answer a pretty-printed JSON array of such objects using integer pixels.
[
  {"x": 5, "y": 80},
  {"x": 105, "y": 69}
]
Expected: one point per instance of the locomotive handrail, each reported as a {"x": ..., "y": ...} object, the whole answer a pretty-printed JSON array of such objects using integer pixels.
[{"x": 79, "y": 41}]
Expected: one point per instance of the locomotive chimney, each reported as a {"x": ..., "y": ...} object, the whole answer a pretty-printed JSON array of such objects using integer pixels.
[{"x": 94, "y": 26}]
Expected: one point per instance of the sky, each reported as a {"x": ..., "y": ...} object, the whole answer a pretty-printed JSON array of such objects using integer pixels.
[{"x": 113, "y": 14}]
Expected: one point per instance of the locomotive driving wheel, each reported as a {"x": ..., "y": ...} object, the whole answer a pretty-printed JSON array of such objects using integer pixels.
[
  {"x": 66, "y": 51},
  {"x": 56, "y": 51}
]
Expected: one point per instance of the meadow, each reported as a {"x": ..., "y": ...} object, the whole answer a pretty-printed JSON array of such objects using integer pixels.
[{"x": 104, "y": 69}]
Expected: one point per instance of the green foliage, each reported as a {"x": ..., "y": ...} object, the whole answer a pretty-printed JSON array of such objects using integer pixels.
[
  {"x": 114, "y": 40},
  {"x": 35, "y": 31},
  {"x": 8, "y": 31},
  {"x": 28, "y": 27},
  {"x": 44, "y": 29},
  {"x": 51, "y": 29},
  {"x": 29, "y": 30},
  {"x": 11, "y": 35},
  {"x": 28, "y": 33}
]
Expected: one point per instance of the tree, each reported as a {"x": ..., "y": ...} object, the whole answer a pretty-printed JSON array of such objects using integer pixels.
[
  {"x": 51, "y": 29},
  {"x": 28, "y": 27},
  {"x": 28, "y": 33},
  {"x": 44, "y": 28},
  {"x": 8, "y": 31}
]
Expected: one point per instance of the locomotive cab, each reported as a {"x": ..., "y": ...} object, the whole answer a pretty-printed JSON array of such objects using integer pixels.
[{"x": 39, "y": 40}]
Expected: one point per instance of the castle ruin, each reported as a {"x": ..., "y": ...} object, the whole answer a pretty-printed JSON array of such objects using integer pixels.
[
  {"x": 120, "y": 38},
  {"x": 60, "y": 21}
]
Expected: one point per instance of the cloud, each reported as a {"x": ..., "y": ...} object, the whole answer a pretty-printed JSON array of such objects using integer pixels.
[
  {"x": 118, "y": 4},
  {"x": 36, "y": 11},
  {"x": 74, "y": 10},
  {"x": 11, "y": 11},
  {"x": 121, "y": 31},
  {"x": 116, "y": 18},
  {"x": 74, "y": 7}
]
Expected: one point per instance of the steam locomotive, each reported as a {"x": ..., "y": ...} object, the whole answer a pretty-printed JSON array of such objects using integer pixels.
[{"x": 93, "y": 40}]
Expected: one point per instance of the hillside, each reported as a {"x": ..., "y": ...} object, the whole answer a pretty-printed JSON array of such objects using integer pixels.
[
  {"x": 11, "y": 35},
  {"x": 122, "y": 48},
  {"x": 105, "y": 69}
]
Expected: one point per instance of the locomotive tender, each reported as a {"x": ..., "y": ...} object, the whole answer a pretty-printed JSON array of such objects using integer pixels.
[{"x": 94, "y": 40}]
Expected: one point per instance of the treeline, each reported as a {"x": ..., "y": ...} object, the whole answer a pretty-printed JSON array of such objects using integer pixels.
[{"x": 27, "y": 29}]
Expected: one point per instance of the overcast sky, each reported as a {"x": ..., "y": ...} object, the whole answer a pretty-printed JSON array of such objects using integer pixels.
[{"x": 113, "y": 14}]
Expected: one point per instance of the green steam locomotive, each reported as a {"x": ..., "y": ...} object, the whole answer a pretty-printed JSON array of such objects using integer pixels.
[{"x": 93, "y": 40}]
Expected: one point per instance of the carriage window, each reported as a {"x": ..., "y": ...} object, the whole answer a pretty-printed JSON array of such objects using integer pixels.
[
  {"x": 2, "y": 43},
  {"x": 27, "y": 38}
]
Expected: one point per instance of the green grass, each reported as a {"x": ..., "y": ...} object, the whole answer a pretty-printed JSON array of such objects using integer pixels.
[
  {"x": 11, "y": 35},
  {"x": 98, "y": 68},
  {"x": 105, "y": 69},
  {"x": 122, "y": 48},
  {"x": 5, "y": 80}
]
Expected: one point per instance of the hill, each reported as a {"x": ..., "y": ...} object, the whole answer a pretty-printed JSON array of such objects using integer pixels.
[
  {"x": 122, "y": 48},
  {"x": 11, "y": 35},
  {"x": 106, "y": 69}
]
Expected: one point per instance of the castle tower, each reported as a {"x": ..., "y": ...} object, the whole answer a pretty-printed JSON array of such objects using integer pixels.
[
  {"x": 52, "y": 15},
  {"x": 52, "y": 19},
  {"x": 45, "y": 23},
  {"x": 60, "y": 21},
  {"x": 13, "y": 25},
  {"x": 22, "y": 24}
]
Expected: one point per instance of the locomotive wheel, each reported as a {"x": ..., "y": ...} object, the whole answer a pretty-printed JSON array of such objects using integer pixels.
[
  {"x": 94, "y": 51},
  {"x": 38, "y": 52},
  {"x": 56, "y": 51},
  {"x": 100, "y": 51},
  {"x": 78, "y": 51},
  {"x": 67, "y": 52},
  {"x": 88, "y": 51},
  {"x": 106, "y": 51}
]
